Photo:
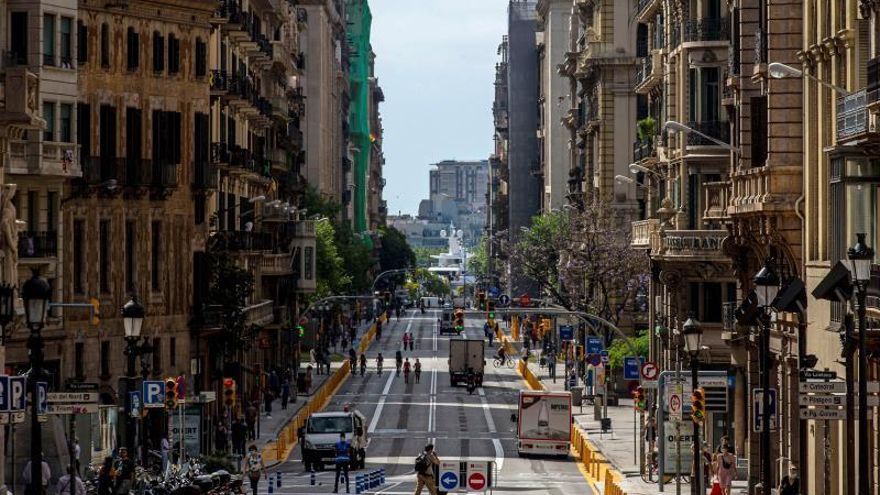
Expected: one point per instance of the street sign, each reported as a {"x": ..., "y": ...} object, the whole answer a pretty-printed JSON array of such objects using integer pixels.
[
  {"x": 595, "y": 359},
  {"x": 42, "y": 397},
  {"x": 669, "y": 448},
  {"x": 818, "y": 375},
  {"x": 12, "y": 418},
  {"x": 4, "y": 393},
  {"x": 82, "y": 387},
  {"x": 631, "y": 366},
  {"x": 675, "y": 406},
  {"x": 17, "y": 393},
  {"x": 823, "y": 387},
  {"x": 72, "y": 409},
  {"x": 758, "y": 407},
  {"x": 604, "y": 356},
  {"x": 649, "y": 371},
  {"x": 154, "y": 394},
  {"x": 594, "y": 345},
  {"x": 823, "y": 414},
  {"x": 449, "y": 475},
  {"x": 494, "y": 291},
  {"x": 822, "y": 400},
  {"x": 134, "y": 401},
  {"x": 525, "y": 300},
  {"x": 75, "y": 397},
  {"x": 504, "y": 300},
  {"x": 566, "y": 332}
]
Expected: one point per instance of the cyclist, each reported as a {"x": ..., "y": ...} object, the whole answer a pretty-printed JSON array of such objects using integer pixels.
[
  {"x": 406, "y": 370},
  {"x": 418, "y": 369},
  {"x": 379, "y": 360},
  {"x": 501, "y": 355},
  {"x": 398, "y": 360},
  {"x": 363, "y": 364}
]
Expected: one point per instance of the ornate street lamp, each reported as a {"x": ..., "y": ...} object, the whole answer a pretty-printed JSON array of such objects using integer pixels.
[
  {"x": 132, "y": 322},
  {"x": 861, "y": 256},
  {"x": 766, "y": 288},
  {"x": 36, "y": 293},
  {"x": 692, "y": 332}
]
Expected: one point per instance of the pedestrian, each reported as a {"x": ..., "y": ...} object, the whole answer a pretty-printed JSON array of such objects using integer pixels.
[
  {"x": 405, "y": 340},
  {"x": 363, "y": 364},
  {"x": 411, "y": 341},
  {"x": 285, "y": 394},
  {"x": 790, "y": 485},
  {"x": 255, "y": 467},
  {"x": 359, "y": 448},
  {"x": 274, "y": 384},
  {"x": 220, "y": 437},
  {"x": 398, "y": 361},
  {"x": 30, "y": 488},
  {"x": 68, "y": 481},
  {"x": 651, "y": 432},
  {"x": 124, "y": 472},
  {"x": 551, "y": 365},
  {"x": 418, "y": 370},
  {"x": 239, "y": 434},
  {"x": 105, "y": 477},
  {"x": 267, "y": 400},
  {"x": 725, "y": 469},
  {"x": 378, "y": 329},
  {"x": 406, "y": 369},
  {"x": 425, "y": 463},
  {"x": 250, "y": 416},
  {"x": 343, "y": 458},
  {"x": 164, "y": 450},
  {"x": 319, "y": 359},
  {"x": 77, "y": 450},
  {"x": 352, "y": 331}
]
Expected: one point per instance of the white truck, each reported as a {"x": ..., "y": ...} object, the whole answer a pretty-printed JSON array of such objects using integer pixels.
[
  {"x": 321, "y": 432},
  {"x": 465, "y": 354},
  {"x": 543, "y": 423}
]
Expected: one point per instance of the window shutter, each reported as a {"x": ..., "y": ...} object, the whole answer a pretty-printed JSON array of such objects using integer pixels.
[
  {"x": 158, "y": 52},
  {"x": 82, "y": 43}
]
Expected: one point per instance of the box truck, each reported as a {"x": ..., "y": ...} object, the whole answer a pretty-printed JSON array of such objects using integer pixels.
[
  {"x": 463, "y": 355},
  {"x": 544, "y": 423}
]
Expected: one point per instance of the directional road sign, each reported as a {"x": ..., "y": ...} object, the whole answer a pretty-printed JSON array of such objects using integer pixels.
[
  {"x": 449, "y": 475},
  {"x": 72, "y": 408},
  {"x": 477, "y": 475},
  {"x": 822, "y": 400},
  {"x": 823, "y": 414},
  {"x": 758, "y": 407},
  {"x": 649, "y": 371},
  {"x": 73, "y": 397},
  {"x": 594, "y": 345},
  {"x": 818, "y": 375},
  {"x": 823, "y": 387},
  {"x": 504, "y": 300},
  {"x": 566, "y": 332},
  {"x": 631, "y": 367}
]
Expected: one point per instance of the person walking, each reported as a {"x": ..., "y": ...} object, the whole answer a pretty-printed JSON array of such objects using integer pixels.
[
  {"x": 255, "y": 467},
  {"x": 285, "y": 394},
  {"x": 343, "y": 458},
  {"x": 30, "y": 488},
  {"x": 71, "y": 484},
  {"x": 406, "y": 369},
  {"x": 725, "y": 468},
  {"x": 239, "y": 433},
  {"x": 418, "y": 370},
  {"x": 425, "y": 463},
  {"x": 551, "y": 365},
  {"x": 124, "y": 472},
  {"x": 105, "y": 477},
  {"x": 379, "y": 361},
  {"x": 398, "y": 361},
  {"x": 363, "y": 364},
  {"x": 378, "y": 329},
  {"x": 250, "y": 416}
]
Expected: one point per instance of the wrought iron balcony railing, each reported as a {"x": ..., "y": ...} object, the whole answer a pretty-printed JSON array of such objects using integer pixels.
[
  {"x": 707, "y": 29},
  {"x": 718, "y": 129}
]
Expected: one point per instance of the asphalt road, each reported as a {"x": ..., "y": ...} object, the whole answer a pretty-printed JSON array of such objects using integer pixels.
[{"x": 402, "y": 418}]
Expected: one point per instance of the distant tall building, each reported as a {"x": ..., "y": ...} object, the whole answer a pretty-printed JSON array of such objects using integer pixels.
[
  {"x": 524, "y": 184},
  {"x": 458, "y": 197}
]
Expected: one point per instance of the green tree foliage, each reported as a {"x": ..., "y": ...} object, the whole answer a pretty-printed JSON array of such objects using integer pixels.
[
  {"x": 395, "y": 252},
  {"x": 621, "y": 348},
  {"x": 330, "y": 265},
  {"x": 229, "y": 288},
  {"x": 423, "y": 255},
  {"x": 538, "y": 250},
  {"x": 315, "y": 204},
  {"x": 478, "y": 259}
]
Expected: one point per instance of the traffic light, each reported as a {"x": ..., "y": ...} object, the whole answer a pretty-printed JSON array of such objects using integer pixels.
[
  {"x": 387, "y": 298},
  {"x": 95, "y": 319},
  {"x": 481, "y": 297},
  {"x": 639, "y": 399},
  {"x": 459, "y": 320},
  {"x": 300, "y": 331},
  {"x": 698, "y": 405},
  {"x": 229, "y": 392},
  {"x": 171, "y": 393},
  {"x": 491, "y": 310}
]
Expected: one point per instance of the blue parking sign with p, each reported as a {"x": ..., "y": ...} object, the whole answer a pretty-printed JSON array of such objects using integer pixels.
[
  {"x": 17, "y": 393},
  {"x": 154, "y": 393},
  {"x": 4, "y": 393}
]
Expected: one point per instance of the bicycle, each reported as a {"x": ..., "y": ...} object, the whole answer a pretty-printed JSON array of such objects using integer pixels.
[{"x": 507, "y": 361}]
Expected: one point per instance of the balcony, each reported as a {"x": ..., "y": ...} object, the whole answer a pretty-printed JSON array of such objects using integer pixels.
[
  {"x": 707, "y": 29},
  {"x": 643, "y": 150},
  {"x": 243, "y": 241},
  {"x": 276, "y": 265},
  {"x": 219, "y": 82},
  {"x": 204, "y": 176},
  {"x": 99, "y": 169},
  {"x": 38, "y": 244},
  {"x": 645, "y": 234},
  {"x": 647, "y": 9},
  {"x": 233, "y": 21},
  {"x": 305, "y": 229},
  {"x": 648, "y": 73},
  {"x": 718, "y": 129},
  {"x": 698, "y": 244},
  {"x": 259, "y": 314},
  {"x": 220, "y": 153},
  {"x": 276, "y": 214},
  {"x": 61, "y": 159},
  {"x": 852, "y": 116},
  {"x": 279, "y": 107},
  {"x": 716, "y": 199},
  {"x": 164, "y": 175},
  {"x": 22, "y": 98}
]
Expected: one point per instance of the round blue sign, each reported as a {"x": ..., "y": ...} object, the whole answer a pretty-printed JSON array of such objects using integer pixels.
[{"x": 449, "y": 480}]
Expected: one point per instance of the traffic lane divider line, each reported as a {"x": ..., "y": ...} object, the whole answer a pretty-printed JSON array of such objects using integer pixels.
[{"x": 280, "y": 449}]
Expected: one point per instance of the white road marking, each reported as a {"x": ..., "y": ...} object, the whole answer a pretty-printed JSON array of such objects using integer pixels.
[
  {"x": 499, "y": 450},
  {"x": 432, "y": 405},
  {"x": 375, "y": 420}
]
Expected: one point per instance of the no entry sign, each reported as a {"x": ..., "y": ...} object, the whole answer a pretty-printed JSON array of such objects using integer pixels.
[{"x": 476, "y": 481}]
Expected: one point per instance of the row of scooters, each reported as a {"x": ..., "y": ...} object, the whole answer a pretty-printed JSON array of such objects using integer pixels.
[{"x": 189, "y": 478}]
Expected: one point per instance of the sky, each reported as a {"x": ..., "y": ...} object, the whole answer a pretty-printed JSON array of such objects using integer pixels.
[{"x": 435, "y": 61}]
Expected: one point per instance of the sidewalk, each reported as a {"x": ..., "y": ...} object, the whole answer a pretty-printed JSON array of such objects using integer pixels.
[{"x": 619, "y": 446}]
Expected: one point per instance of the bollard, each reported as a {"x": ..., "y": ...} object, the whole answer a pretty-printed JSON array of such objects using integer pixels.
[
  {"x": 373, "y": 479},
  {"x": 358, "y": 483},
  {"x": 278, "y": 479},
  {"x": 312, "y": 478},
  {"x": 382, "y": 476},
  {"x": 271, "y": 483}
]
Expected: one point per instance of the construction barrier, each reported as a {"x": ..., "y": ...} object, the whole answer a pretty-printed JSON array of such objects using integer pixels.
[
  {"x": 280, "y": 449},
  {"x": 599, "y": 470}
]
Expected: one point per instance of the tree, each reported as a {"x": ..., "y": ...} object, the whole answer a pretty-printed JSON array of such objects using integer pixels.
[
  {"x": 621, "y": 348},
  {"x": 423, "y": 255},
  {"x": 315, "y": 204},
  {"x": 229, "y": 288},
  {"x": 478, "y": 259},
  {"x": 330, "y": 266},
  {"x": 395, "y": 253},
  {"x": 538, "y": 251}
]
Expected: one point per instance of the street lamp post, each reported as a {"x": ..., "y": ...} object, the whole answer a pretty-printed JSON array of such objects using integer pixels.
[
  {"x": 766, "y": 288},
  {"x": 132, "y": 322},
  {"x": 36, "y": 293},
  {"x": 693, "y": 341},
  {"x": 861, "y": 256}
]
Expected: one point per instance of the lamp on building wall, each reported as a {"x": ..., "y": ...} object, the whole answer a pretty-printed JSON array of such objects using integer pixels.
[
  {"x": 674, "y": 126},
  {"x": 36, "y": 293},
  {"x": 766, "y": 288},
  {"x": 781, "y": 71},
  {"x": 861, "y": 256}
]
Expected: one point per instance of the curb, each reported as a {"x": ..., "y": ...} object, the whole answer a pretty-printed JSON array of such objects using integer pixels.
[{"x": 278, "y": 450}]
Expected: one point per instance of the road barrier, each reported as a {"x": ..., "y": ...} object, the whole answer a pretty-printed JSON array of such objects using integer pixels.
[
  {"x": 531, "y": 380},
  {"x": 280, "y": 449},
  {"x": 598, "y": 469}
]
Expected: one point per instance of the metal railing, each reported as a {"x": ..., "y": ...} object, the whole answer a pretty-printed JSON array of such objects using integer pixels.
[
  {"x": 718, "y": 129},
  {"x": 642, "y": 150},
  {"x": 38, "y": 244},
  {"x": 204, "y": 176},
  {"x": 707, "y": 29},
  {"x": 852, "y": 114},
  {"x": 643, "y": 70},
  {"x": 241, "y": 240}
]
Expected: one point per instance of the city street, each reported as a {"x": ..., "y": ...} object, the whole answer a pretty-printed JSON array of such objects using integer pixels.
[{"x": 402, "y": 418}]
